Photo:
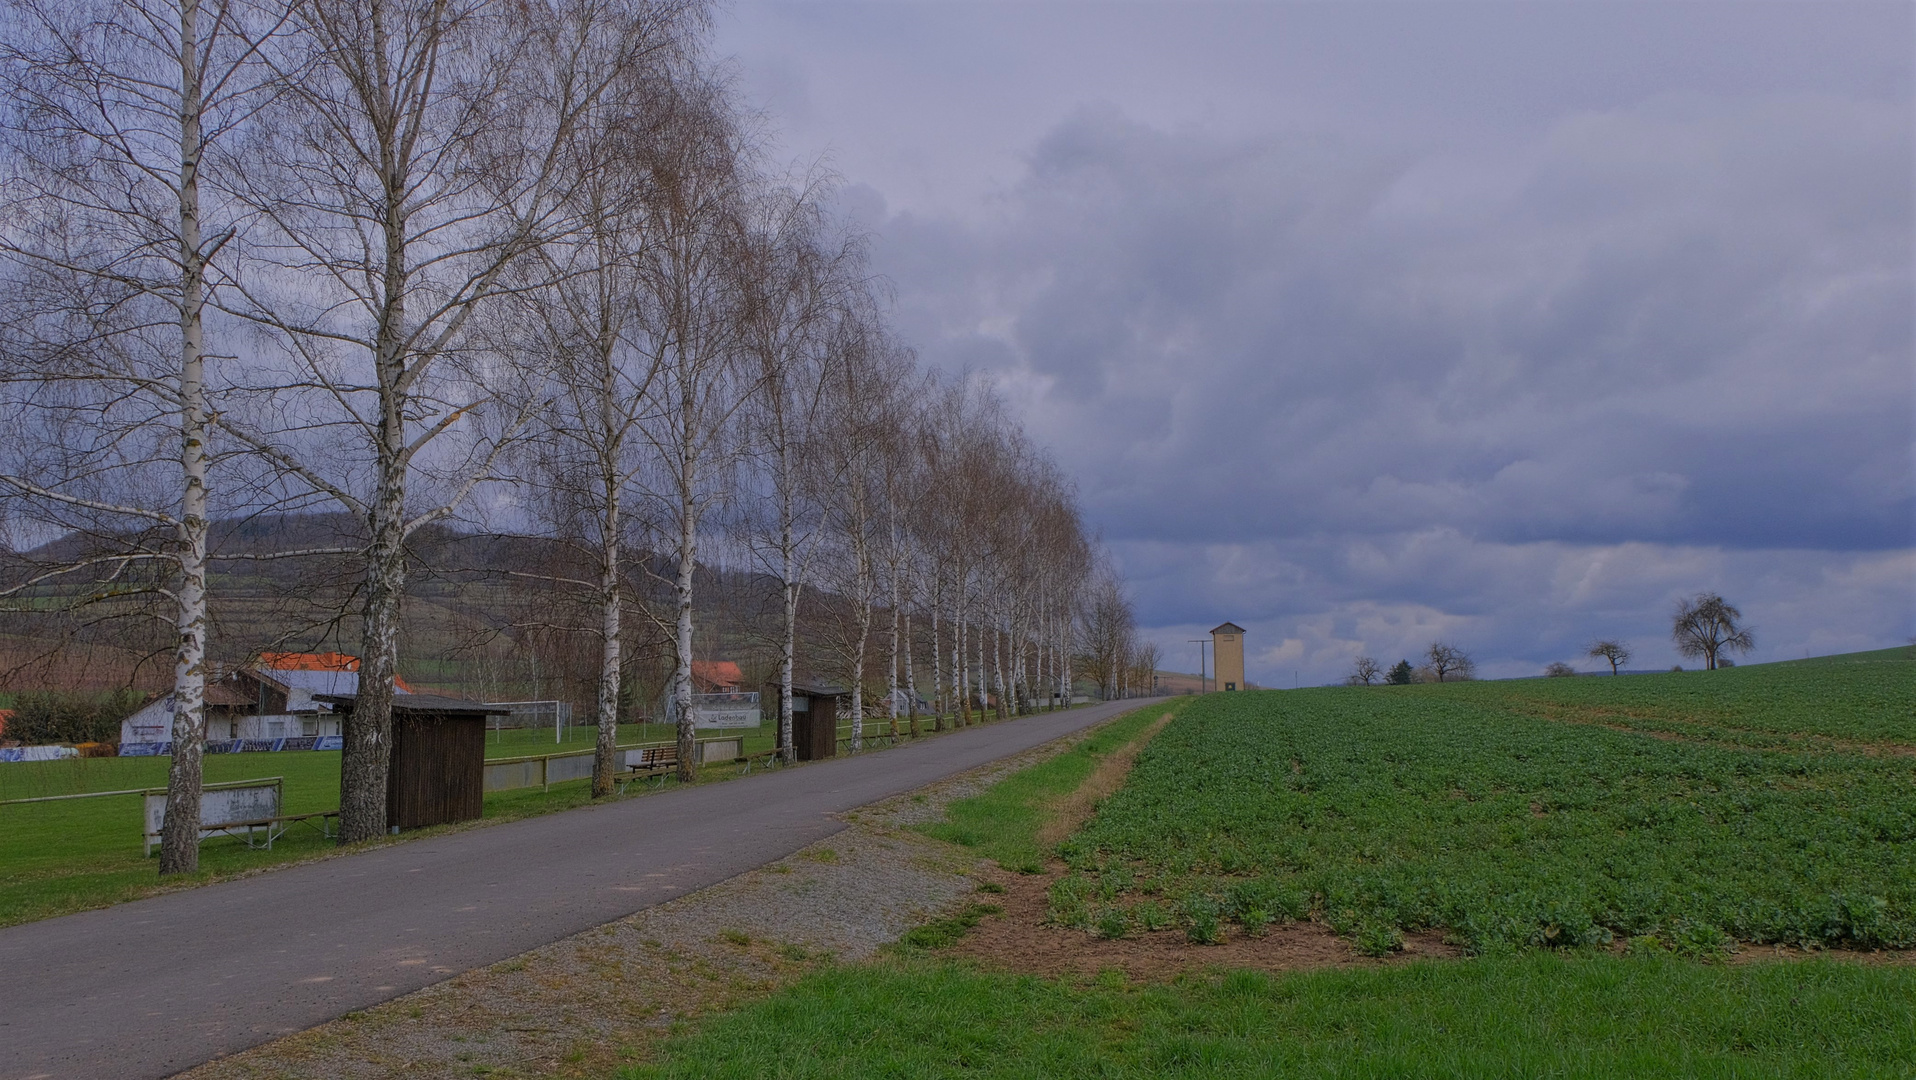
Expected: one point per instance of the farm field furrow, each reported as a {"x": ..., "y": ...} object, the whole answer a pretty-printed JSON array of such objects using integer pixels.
[{"x": 1463, "y": 808}]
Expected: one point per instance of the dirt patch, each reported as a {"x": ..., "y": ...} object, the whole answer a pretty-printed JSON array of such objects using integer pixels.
[
  {"x": 1022, "y": 940},
  {"x": 1751, "y": 954},
  {"x": 1075, "y": 809}
]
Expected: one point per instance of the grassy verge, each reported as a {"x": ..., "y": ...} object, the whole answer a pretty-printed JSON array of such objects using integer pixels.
[
  {"x": 1003, "y": 822},
  {"x": 1529, "y": 1016}
]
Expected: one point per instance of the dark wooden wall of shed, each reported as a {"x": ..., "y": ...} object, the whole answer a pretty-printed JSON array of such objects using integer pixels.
[
  {"x": 438, "y": 772},
  {"x": 815, "y": 731}
]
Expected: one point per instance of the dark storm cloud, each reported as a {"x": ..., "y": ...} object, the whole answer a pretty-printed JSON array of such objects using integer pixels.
[
  {"x": 1600, "y": 344},
  {"x": 1512, "y": 323}
]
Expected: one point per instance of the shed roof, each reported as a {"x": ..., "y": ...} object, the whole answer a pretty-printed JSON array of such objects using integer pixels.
[
  {"x": 423, "y": 703},
  {"x": 1228, "y": 628},
  {"x": 819, "y": 689}
]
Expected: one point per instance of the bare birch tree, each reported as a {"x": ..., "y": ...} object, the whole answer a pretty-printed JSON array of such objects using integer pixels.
[
  {"x": 116, "y": 107},
  {"x": 793, "y": 281},
  {"x": 688, "y": 317},
  {"x": 416, "y": 156}
]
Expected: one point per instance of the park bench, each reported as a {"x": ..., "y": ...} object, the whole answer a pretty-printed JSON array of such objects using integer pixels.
[{"x": 649, "y": 761}]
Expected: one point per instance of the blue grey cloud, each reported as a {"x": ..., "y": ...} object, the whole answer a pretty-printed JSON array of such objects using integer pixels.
[{"x": 1503, "y": 323}]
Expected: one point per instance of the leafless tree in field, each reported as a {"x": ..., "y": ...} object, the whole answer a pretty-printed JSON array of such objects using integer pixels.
[
  {"x": 1706, "y": 625},
  {"x": 415, "y": 156},
  {"x": 1615, "y": 652},
  {"x": 1445, "y": 660},
  {"x": 116, "y": 105},
  {"x": 1365, "y": 670}
]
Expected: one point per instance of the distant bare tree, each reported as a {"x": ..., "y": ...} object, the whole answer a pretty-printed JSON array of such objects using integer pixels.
[
  {"x": 1706, "y": 625},
  {"x": 1557, "y": 669},
  {"x": 1444, "y": 660},
  {"x": 1616, "y": 652},
  {"x": 1365, "y": 670}
]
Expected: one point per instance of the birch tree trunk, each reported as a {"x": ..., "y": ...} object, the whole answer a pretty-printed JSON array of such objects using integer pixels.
[
  {"x": 611, "y": 668},
  {"x": 911, "y": 684},
  {"x": 937, "y": 675},
  {"x": 180, "y": 833},
  {"x": 682, "y": 584},
  {"x": 788, "y": 636},
  {"x": 891, "y": 658}
]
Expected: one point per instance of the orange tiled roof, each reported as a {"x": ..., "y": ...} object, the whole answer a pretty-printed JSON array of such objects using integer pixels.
[
  {"x": 321, "y": 661},
  {"x": 715, "y": 673}
]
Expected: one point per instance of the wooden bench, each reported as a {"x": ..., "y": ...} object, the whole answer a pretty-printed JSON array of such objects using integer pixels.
[{"x": 649, "y": 761}]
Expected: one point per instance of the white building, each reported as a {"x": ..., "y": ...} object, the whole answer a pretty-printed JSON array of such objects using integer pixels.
[{"x": 269, "y": 700}]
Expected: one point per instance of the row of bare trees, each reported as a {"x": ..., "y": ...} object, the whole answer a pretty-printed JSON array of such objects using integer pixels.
[{"x": 421, "y": 262}]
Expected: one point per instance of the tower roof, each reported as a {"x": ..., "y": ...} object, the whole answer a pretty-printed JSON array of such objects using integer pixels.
[{"x": 1228, "y": 628}]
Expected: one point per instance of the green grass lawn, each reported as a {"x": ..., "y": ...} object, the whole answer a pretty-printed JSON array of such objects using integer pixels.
[
  {"x": 1466, "y": 808},
  {"x": 1529, "y": 1016},
  {"x": 74, "y": 854}
]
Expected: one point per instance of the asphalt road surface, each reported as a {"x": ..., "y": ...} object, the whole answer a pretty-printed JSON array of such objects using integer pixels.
[{"x": 150, "y": 988}]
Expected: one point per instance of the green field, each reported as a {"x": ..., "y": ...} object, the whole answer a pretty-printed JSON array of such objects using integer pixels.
[
  {"x": 1701, "y": 809},
  {"x": 1529, "y": 1016},
  {"x": 1594, "y": 843}
]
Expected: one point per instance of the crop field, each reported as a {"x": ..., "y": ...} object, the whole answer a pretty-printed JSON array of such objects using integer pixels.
[{"x": 1764, "y": 804}]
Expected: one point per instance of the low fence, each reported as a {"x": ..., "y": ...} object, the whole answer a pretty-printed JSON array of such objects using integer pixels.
[
  {"x": 240, "y": 746},
  {"x": 545, "y": 770}
]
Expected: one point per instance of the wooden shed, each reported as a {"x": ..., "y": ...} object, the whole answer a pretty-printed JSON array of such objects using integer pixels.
[
  {"x": 438, "y": 769},
  {"x": 814, "y": 719}
]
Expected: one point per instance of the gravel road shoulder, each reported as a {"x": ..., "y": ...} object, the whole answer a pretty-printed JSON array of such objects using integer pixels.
[{"x": 583, "y": 1005}]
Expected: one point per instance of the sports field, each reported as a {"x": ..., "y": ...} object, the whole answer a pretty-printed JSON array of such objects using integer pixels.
[
  {"x": 73, "y": 854},
  {"x": 1608, "y": 856}
]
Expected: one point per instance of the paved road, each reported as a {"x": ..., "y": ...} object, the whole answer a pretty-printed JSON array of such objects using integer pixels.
[{"x": 150, "y": 988}]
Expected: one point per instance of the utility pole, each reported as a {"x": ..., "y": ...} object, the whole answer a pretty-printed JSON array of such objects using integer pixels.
[{"x": 1204, "y": 685}]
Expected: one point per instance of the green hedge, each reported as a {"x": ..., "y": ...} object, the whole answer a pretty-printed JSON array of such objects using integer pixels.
[{"x": 52, "y": 716}]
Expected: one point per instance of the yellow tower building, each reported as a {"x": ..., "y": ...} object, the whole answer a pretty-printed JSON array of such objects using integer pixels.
[{"x": 1227, "y": 650}]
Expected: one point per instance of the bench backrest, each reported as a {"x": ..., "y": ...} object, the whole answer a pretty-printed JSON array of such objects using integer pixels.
[
  {"x": 651, "y": 756},
  {"x": 221, "y": 806}
]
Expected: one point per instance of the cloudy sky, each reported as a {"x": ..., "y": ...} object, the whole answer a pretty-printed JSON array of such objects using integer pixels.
[{"x": 1363, "y": 324}]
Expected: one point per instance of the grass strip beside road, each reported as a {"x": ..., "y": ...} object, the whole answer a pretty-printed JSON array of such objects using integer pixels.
[
  {"x": 1004, "y": 822},
  {"x": 1592, "y": 1017}
]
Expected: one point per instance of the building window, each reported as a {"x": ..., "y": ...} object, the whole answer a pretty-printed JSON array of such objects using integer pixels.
[{"x": 1230, "y": 686}]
